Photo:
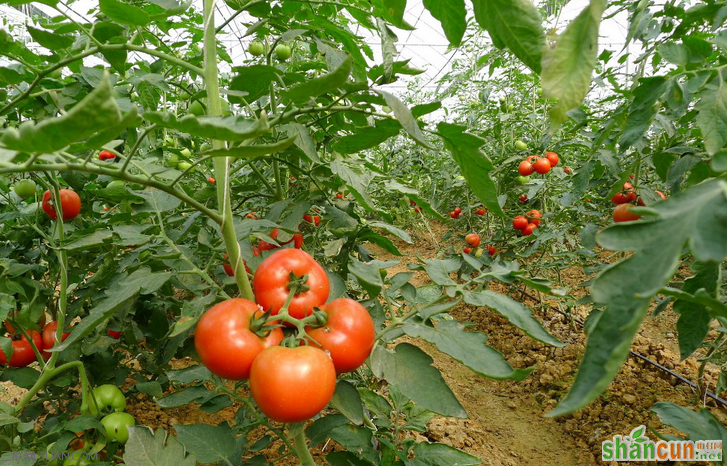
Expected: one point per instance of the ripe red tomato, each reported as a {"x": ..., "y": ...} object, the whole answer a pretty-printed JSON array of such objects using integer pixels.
[
  {"x": 532, "y": 159},
  {"x": 411, "y": 203},
  {"x": 467, "y": 250},
  {"x": 519, "y": 222},
  {"x": 534, "y": 216},
  {"x": 211, "y": 180},
  {"x": 225, "y": 342},
  {"x": 473, "y": 239},
  {"x": 457, "y": 210},
  {"x": 70, "y": 204},
  {"x": 622, "y": 213},
  {"x": 228, "y": 268},
  {"x": 23, "y": 353},
  {"x": 315, "y": 219},
  {"x": 619, "y": 198},
  {"x": 339, "y": 196},
  {"x": 492, "y": 250},
  {"x": 454, "y": 214},
  {"x": 417, "y": 209},
  {"x": 525, "y": 168},
  {"x": 552, "y": 158},
  {"x": 292, "y": 384},
  {"x": 542, "y": 166},
  {"x": 272, "y": 276},
  {"x": 348, "y": 334},
  {"x": 481, "y": 212},
  {"x": 528, "y": 230},
  {"x": 661, "y": 195},
  {"x": 115, "y": 334},
  {"x": 48, "y": 338},
  {"x": 631, "y": 196},
  {"x": 567, "y": 170},
  {"x": 106, "y": 155},
  {"x": 524, "y": 198}
]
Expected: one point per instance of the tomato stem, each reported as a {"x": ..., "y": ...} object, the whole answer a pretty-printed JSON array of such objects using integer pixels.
[
  {"x": 297, "y": 430},
  {"x": 47, "y": 375}
]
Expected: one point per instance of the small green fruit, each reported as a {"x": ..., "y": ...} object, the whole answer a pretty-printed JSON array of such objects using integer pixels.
[
  {"x": 185, "y": 152},
  {"x": 462, "y": 98},
  {"x": 196, "y": 108},
  {"x": 25, "y": 188},
  {"x": 283, "y": 52},
  {"x": 523, "y": 180},
  {"x": 173, "y": 160},
  {"x": 184, "y": 166},
  {"x": 519, "y": 145},
  {"x": 256, "y": 48}
]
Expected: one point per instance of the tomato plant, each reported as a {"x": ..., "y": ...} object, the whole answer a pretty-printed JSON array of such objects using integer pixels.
[{"x": 226, "y": 341}]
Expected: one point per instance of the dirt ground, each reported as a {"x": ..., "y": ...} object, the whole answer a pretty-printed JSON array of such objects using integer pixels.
[{"x": 506, "y": 424}]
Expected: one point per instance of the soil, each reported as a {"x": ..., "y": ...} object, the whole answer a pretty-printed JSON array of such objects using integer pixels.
[{"x": 506, "y": 424}]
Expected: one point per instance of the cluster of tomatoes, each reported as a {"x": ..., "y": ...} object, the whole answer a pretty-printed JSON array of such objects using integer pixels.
[
  {"x": 413, "y": 204},
  {"x": 624, "y": 200},
  {"x": 291, "y": 344},
  {"x": 534, "y": 164},
  {"x": 457, "y": 212},
  {"x": 473, "y": 240},
  {"x": 23, "y": 353},
  {"x": 110, "y": 399},
  {"x": 527, "y": 223}
]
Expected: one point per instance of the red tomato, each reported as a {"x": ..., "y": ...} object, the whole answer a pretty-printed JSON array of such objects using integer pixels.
[
  {"x": 339, "y": 196},
  {"x": 622, "y": 213},
  {"x": 70, "y": 204},
  {"x": 631, "y": 196},
  {"x": 225, "y": 342},
  {"x": 491, "y": 250},
  {"x": 453, "y": 214},
  {"x": 23, "y": 353},
  {"x": 457, "y": 210},
  {"x": 417, "y": 209},
  {"x": 534, "y": 216},
  {"x": 211, "y": 180},
  {"x": 524, "y": 198},
  {"x": 106, "y": 155},
  {"x": 348, "y": 334},
  {"x": 228, "y": 268},
  {"x": 49, "y": 338},
  {"x": 481, "y": 212},
  {"x": 552, "y": 158},
  {"x": 619, "y": 198},
  {"x": 292, "y": 384},
  {"x": 272, "y": 276},
  {"x": 11, "y": 330},
  {"x": 542, "y": 166},
  {"x": 412, "y": 202},
  {"x": 519, "y": 222},
  {"x": 115, "y": 334},
  {"x": 661, "y": 195},
  {"x": 567, "y": 170},
  {"x": 314, "y": 219},
  {"x": 297, "y": 241},
  {"x": 467, "y": 250},
  {"x": 473, "y": 239},
  {"x": 525, "y": 168},
  {"x": 531, "y": 159},
  {"x": 528, "y": 230}
]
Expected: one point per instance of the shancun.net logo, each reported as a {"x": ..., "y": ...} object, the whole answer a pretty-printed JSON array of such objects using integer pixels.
[{"x": 637, "y": 447}]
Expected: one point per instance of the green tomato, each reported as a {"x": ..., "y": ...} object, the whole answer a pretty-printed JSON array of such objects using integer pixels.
[
  {"x": 510, "y": 107},
  {"x": 117, "y": 426},
  {"x": 283, "y": 52},
  {"x": 115, "y": 183},
  {"x": 108, "y": 397},
  {"x": 460, "y": 178},
  {"x": 468, "y": 49},
  {"x": 173, "y": 160},
  {"x": 25, "y": 188},
  {"x": 183, "y": 166},
  {"x": 256, "y": 48},
  {"x": 205, "y": 146},
  {"x": 185, "y": 152},
  {"x": 196, "y": 108},
  {"x": 523, "y": 179},
  {"x": 462, "y": 98},
  {"x": 519, "y": 145}
]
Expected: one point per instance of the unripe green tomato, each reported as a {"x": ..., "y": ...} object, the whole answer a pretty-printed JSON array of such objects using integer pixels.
[
  {"x": 183, "y": 166},
  {"x": 196, "y": 108},
  {"x": 510, "y": 107},
  {"x": 117, "y": 426},
  {"x": 519, "y": 145},
  {"x": 107, "y": 397},
  {"x": 25, "y": 188},
  {"x": 468, "y": 48},
  {"x": 185, "y": 152},
  {"x": 116, "y": 183},
  {"x": 283, "y": 52},
  {"x": 503, "y": 99},
  {"x": 173, "y": 160},
  {"x": 256, "y": 48},
  {"x": 460, "y": 178},
  {"x": 205, "y": 146},
  {"x": 462, "y": 98},
  {"x": 478, "y": 252},
  {"x": 523, "y": 180}
]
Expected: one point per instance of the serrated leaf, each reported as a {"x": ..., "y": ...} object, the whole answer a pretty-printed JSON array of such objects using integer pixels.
[
  {"x": 712, "y": 117},
  {"x": 469, "y": 348},
  {"x": 695, "y": 318},
  {"x": 251, "y": 152},
  {"x": 641, "y": 111},
  {"x": 50, "y": 40},
  {"x": 438, "y": 454},
  {"x": 700, "y": 425},
  {"x": 322, "y": 85},
  {"x": 145, "y": 448},
  {"x": 208, "y": 443},
  {"x": 124, "y": 13},
  {"x": 225, "y": 128},
  {"x": 97, "y": 111},
  {"x": 697, "y": 217},
  {"x": 515, "y": 312},
  {"x": 348, "y": 402},
  {"x": 515, "y": 24},
  {"x": 406, "y": 119},
  {"x": 367, "y": 137},
  {"x": 567, "y": 67},
  {"x": 410, "y": 370},
  {"x": 452, "y": 16}
]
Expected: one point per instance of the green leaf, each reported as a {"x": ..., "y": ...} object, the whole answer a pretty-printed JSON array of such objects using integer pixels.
[
  {"x": 474, "y": 164},
  {"x": 357, "y": 178},
  {"x": 318, "y": 431},
  {"x": 712, "y": 117},
  {"x": 695, "y": 318},
  {"x": 346, "y": 458},
  {"x": 356, "y": 439},
  {"x": 322, "y": 85},
  {"x": 367, "y": 137},
  {"x": 469, "y": 348},
  {"x": 97, "y": 111},
  {"x": 250, "y": 152},
  {"x": 410, "y": 370},
  {"x": 368, "y": 276},
  {"x": 452, "y": 15},
  {"x": 25, "y": 377},
  {"x": 398, "y": 232},
  {"x": 394, "y": 186},
  {"x": 642, "y": 111},
  {"x": 129, "y": 119},
  {"x": 50, "y": 40},
  {"x": 700, "y": 425},
  {"x": 518, "y": 314},
  {"x": 515, "y": 24},
  {"x": 97, "y": 239},
  {"x": 254, "y": 80},
  {"x": 568, "y": 66},
  {"x": 406, "y": 119},
  {"x": 697, "y": 217},
  {"x": 145, "y": 448},
  {"x": 438, "y": 454},
  {"x": 124, "y": 13},
  {"x": 182, "y": 397},
  {"x": 208, "y": 443},
  {"x": 226, "y": 128},
  {"x": 348, "y": 402},
  {"x": 719, "y": 161}
]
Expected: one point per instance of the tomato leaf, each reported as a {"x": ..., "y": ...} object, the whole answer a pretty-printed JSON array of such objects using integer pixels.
[
  {"x": 50, "y": 40},
  {"x": 322, "y": 85},
  {"x": 406, "y": 119},
  {"x": 431, "y": 454},
  {"x": 145, "y": 448},
  {"x": 318, "y": 431},
  {"x": 698, "y": 218},
  {"x": 452, "y": 16},
  {"x": 251, "y": 152},
  {"x": 518, "y": 315},
  {"x": 357, "y": 440},
  {"x": 712, "y": 117},
  {"x": 394, "y": 186},
  {"x": 410, "y": 370},
  {"x": 515, "y": 24},
  {"x": 348, "y": 402},
  {"x": 695, "y": 318},
  {"x": 208, "y": 443},
  {"x": 97, "y": 111},
  {"x": 641, "y": 111},
  {"x": 225, "y": 128},
  {"x": 124, "y": 13},
  {"x": 700, "y": 425},
  {"x": 567, "y": 67},
  {"x": 367, "y": 137},
  {"x": 469, "y": 348},
  {"x": 357, "y": 178},
  {"x": 474, "y": 164}
]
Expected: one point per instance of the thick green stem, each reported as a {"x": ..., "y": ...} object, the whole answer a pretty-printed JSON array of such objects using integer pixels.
[
  {"x": 46, "y": 376},
  {"x": 222, "y": 164},
  {"x": 297, "y": 431}
]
